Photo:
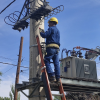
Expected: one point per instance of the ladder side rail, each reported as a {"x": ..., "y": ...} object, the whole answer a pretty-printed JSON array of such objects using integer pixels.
[
  {"x": 61, "y": 90},
  {"x": 44, "y": 73}
]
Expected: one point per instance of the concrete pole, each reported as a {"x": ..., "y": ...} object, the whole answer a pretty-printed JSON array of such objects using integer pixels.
[{"x": 35, "y": 62}]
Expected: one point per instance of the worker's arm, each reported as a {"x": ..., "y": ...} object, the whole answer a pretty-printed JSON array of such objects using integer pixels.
[{"x": 46, "y": 34}]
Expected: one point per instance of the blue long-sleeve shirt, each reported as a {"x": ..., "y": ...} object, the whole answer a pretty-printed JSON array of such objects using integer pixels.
[{"x": 52, "y": 35}]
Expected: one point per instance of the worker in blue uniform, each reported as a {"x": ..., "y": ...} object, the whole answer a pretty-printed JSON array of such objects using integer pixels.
[{"x": 52, "y": 49}]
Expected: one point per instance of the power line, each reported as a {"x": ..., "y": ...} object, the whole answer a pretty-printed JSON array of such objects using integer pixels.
[
  {"x": 13, "y": 64},
  {"x": 7, "y": 6},
  {"x": 12, "y": 68},
  {"x": 24, "y": 60},
  {"x": 8, "y": 58},
  {"x": 12, "y": 59},
  {"x": 8, "y": 70},
  {"x": 22, "y": 71}
]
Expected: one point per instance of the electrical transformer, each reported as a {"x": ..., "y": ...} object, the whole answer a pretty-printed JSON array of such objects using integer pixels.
[{"x": 75, "y": 67}]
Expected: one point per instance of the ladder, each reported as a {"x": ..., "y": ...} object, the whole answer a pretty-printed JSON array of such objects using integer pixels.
[{"x": 45, "y": 77}]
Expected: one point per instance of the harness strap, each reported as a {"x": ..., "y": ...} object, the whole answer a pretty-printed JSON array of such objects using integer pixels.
[{"x": 52, "y": 45}]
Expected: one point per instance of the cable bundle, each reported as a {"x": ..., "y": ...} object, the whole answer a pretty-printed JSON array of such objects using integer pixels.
[{"x": 27, "y": 11}]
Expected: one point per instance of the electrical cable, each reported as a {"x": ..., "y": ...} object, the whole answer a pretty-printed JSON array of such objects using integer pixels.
[
  {"x": 13, "y": 64},
  {"x": 7, "y": 6},
  {"x": 26, "y": 10},
  {"x": 25, "y": 70},
  {"x": 8, "y": 70},
  {"x": 8, "y": 58},
  {"x": 24, "y": 73},
  {"x": 13, "y": 59},
  {"x": 23, "y": 59},
  {"x": 39, "y": 3}
]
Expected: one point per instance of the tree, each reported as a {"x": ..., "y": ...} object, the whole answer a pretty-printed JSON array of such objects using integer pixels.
[
  {"x": 5, "y": 98},
  {"x": 57, "y": 98},
  {"x": 0, "y": 75},
  {"x": 11, "y": 93}
]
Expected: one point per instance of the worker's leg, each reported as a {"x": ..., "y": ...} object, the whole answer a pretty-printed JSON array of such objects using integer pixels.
[
  {"x": 56, "y": 64},
  {"x": 50, "y": 54}
]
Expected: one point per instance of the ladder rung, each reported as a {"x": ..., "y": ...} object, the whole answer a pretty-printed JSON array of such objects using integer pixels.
[{"x": 58, "y": 95}]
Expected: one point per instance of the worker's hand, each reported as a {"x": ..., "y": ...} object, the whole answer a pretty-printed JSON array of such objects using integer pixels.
[{"x": 41, "y": 30}]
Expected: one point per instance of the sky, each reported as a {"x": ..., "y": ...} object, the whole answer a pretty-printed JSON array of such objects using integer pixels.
[{"x": 79, "y": 25}]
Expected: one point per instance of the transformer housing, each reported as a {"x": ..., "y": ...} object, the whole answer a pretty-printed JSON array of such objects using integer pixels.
[{"x": 75, "y": 67}]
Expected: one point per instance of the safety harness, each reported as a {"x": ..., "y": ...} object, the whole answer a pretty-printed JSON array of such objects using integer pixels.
[{"x": 52, "y": 45}]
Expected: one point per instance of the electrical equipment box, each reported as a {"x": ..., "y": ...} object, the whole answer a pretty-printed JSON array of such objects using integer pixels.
[{"x": 75, "y": 67}]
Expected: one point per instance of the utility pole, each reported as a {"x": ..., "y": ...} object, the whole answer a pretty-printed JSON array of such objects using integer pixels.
[
  {"x": 35, "y": 62},
  {"x": 18, "y": 68}
]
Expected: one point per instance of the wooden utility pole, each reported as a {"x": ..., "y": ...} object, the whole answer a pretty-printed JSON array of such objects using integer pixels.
[
  {"x": 18, "y": 68},
  {"x": 35, "y": 62}
]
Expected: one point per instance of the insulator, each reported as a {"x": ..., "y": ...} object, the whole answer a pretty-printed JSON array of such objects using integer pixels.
[
  {"x": 80, "y": 54},
  {"x": 73, "y": 53},
  {"x": 86, "y": 55},
  {"x": 21, "y": 25},
  {"x": 67, "y": 54}
]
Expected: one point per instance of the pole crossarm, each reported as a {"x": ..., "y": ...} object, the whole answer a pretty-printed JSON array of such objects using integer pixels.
[
  {"x": 69, "y": 85},
  {"x": 36, "y": 87},
  {"x": 32, "y": 93}
]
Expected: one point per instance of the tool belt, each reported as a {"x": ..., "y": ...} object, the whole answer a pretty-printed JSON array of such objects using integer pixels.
[{"x": 52, "y": 46}]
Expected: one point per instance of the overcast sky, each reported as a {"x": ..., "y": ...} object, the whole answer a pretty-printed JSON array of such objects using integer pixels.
[{"x": 79, "y": 25}]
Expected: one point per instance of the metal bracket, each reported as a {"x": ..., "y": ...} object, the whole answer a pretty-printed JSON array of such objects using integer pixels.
[
  {"x": 43, "y": 67},
  {"x": 37, "y": 86},
  {"x": 31, "y": 95},
  {"x": 35, "y": 45}
]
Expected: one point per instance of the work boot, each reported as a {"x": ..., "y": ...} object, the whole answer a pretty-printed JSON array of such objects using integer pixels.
[
  {"x": 52, "y": 79},
  {"x": 58, "y": 81}
]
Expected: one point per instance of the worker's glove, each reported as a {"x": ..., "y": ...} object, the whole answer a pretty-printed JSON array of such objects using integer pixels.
[{"x": 41, "y": 30}]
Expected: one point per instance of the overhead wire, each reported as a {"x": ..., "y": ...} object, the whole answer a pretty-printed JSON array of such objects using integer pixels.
[
  {"x": 29, "y": 10},
  {"x": 13, "y": 64},
  {"x": 13, "y": 59},
  {"x": 24, "y": 73},
  {"x": 13, "y": 67},
  {"x": 8, "y": 58},
  {"x": 7, "y": 6},
  {"x": 8, "y": 70}
]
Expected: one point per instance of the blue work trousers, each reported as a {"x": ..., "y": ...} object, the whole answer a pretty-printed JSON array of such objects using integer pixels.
[{"x": 53, "y": 54}]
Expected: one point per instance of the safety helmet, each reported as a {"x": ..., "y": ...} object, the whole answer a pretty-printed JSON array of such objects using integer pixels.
[{"x": 54, "y": 19}]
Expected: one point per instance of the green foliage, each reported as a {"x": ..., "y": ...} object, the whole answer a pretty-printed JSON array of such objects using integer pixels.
[
  {"x": 0, "y": 75},
  {"x": 5, "y": 98},
  {"x": 11, "y": 93},
  {"x": 18, "y": 97},
  {"x": 57, "y": 98}
]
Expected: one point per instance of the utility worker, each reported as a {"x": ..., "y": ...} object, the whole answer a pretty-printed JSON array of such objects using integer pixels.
[{"x": 52, "y": 48}]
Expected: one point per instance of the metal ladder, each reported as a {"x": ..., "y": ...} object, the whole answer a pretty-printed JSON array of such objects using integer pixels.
[{"x": 45, "y": 77}]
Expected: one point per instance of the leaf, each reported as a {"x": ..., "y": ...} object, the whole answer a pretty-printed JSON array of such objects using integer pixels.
[
  {"x": 57, "y": 98},
  {"x": 0, "y": 74},
  {"x": 12, "y": 92}
]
